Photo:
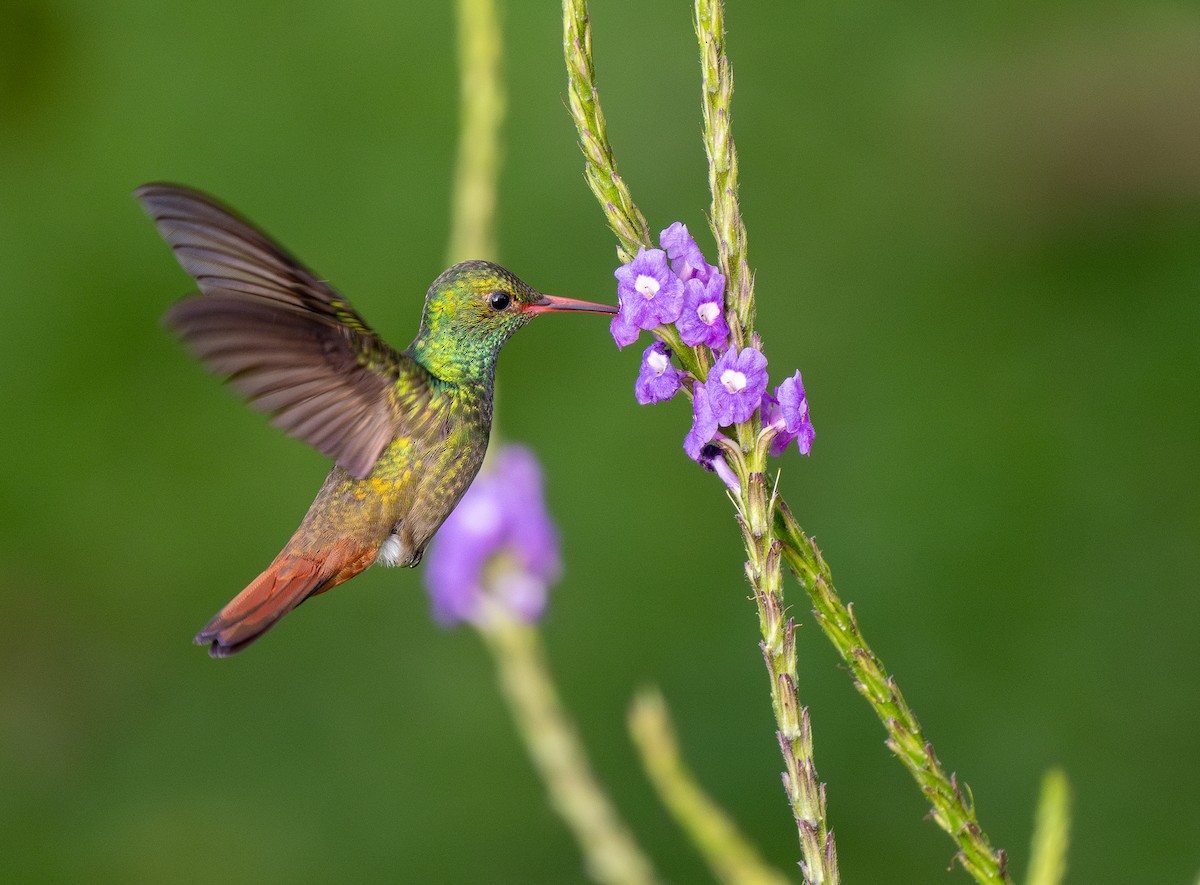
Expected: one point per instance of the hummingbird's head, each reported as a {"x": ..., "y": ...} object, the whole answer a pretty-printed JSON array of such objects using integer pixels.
[{"x": 472, "y": 309}]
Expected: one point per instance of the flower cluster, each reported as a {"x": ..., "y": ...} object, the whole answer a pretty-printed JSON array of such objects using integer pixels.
[
  {"x": 498, "y": 547},
  {"x": 674, "y": 285}
]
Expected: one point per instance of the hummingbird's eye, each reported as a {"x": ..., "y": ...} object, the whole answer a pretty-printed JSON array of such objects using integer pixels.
[{"x": 499, "y": 300}]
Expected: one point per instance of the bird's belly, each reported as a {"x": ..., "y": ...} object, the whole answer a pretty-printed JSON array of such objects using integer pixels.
[
  {"x": 392, "y": 551},
  {"x": 436, "y": 494},
  {"x": 404, "y": 500}
]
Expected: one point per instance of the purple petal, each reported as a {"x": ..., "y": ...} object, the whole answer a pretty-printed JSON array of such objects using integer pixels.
[
  {"x": 529, "y": 529},
  {"x": 702, "y": 318},
  {"x": 523, "y": 594},
  {"x": 623, "y": 331},
  {"x": 793, "y": 406},
  {"x": 772, "y": 416},
  {"x": 649, "y": 294},
  {"x": 454, "y": 567},
  {"x": 687, "y": 261},
  {"x": 723, "y": 470},
  {"x": 712, "y": 459},
  {"x": 736, "y": 384},
  {"x": 704, "y": 423},
  {"x": 658, "y": 380},
  {"x": 499, "y": 542}
]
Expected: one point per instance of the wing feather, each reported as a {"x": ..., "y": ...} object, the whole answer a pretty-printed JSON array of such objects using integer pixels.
[{"x": 284, "y": 338}]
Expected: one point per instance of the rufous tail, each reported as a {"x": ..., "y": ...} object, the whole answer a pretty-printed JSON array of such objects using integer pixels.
[{"x": 294, "y": 576}]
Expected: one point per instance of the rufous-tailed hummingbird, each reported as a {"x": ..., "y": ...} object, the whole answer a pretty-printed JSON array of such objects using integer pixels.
[{"x": 407, "y": 431}]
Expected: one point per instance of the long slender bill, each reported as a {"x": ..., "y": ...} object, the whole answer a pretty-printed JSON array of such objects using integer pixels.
[{"x": 549, "y": 303}]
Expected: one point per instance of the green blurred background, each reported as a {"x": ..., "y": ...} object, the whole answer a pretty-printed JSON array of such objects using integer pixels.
[{"x": 976, "y": 229}]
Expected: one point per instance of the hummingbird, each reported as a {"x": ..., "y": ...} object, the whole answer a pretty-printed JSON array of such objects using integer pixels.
[{"x": 407, "y": 431}]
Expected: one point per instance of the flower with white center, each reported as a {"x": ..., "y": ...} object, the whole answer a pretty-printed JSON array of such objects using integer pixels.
[
  {"x": 702, "y": 320},
  {"x": 649, "y": 295},
  {"x": 657, "y": 380},
  {"x": 736, "y": 384},
  {"x": 733, "y": 380},
  {"x": 646, "y": 286}
]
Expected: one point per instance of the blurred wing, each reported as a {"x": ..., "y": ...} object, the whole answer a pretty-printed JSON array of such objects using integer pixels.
[{"x": 285, "y": 339}]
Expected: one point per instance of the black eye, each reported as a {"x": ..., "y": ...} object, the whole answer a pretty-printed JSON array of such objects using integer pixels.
[{"x": 499, "y": 300}]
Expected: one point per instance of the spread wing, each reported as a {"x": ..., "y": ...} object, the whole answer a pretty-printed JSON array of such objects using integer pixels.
[{"x": 284, "y": 338}]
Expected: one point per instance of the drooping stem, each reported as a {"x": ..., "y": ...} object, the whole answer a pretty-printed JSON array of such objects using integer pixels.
[
  {"x": 610, "y": 854},
  {"x": 953, "y": 811}
]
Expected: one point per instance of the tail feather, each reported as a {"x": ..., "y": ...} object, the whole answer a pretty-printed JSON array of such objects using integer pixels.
[{"x": 293, "y": 577}]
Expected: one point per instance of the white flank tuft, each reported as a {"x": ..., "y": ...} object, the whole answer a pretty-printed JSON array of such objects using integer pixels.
[{"x": 389, "y": 553}]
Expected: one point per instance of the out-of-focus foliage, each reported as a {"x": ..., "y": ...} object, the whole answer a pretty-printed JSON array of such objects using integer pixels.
[{"x": 976, "y": 229}]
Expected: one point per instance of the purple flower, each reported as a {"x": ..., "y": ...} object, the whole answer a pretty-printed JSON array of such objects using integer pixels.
[
  {"x": 787, "y": 412},
  {"x": 702, "y": 320},
  {"x": 623, "y": 331},
  {"x": 704, "y": 423},
  {"x": 772, "y": 416},
  {"x": 648, "y": 292},
  {"x": 686, "y": 259},
  {"x": 658, "y": 380},
  {"x": 498, "y": 544},
  {"x": 793, "y": 405},
  {"x": 712, "y": 460},
  {"x": 736, "y": 384},
  {"x": 699, "y": 442}
]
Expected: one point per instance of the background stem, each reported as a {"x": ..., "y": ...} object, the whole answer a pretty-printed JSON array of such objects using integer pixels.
[
  {"x": 953, "y": 811},
  {"x": 610, "y": 854},
  {"x": 731, "y": 858},
  {"x": 481, "y": 112}
]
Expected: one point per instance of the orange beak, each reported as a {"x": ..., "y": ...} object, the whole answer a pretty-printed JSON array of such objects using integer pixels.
[{"x": 549, "y": 303}]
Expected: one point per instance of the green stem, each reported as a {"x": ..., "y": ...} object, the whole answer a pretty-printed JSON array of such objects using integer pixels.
[
  {"x": 1051, "y": 831},
  {"x": 623, "y": 216},
  {"x": 806, "y": 794},
  {"x": 953, "y": 811},
  {"x": 755, "y": 505},
  {"x": 731, "y": 858},
  {"x": 726, "y": 217},
  {"x": 481, "y": 93},
  {"x": 767, "y": 542},
  {"x": 610, "y": 854}
]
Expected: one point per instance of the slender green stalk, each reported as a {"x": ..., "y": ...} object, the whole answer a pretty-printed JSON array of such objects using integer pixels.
[
  {"x": 482, "y": 105},
  {"x": 731, "y": 858},
  {"x": 600, "y": 168},
  {"x": 625, "y": 219},
  {"x": 726, "y": 217},
  {"x": 748, "y": 458},
  {"x": 610, "y": 854},
  {"x": 953, "y": 812},
  {"x": 1051, "y": 831},
  {"x": 769, "y": 530},
  {"x": 805, "y": 793},
  {"x": 756, "y": 507}
]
